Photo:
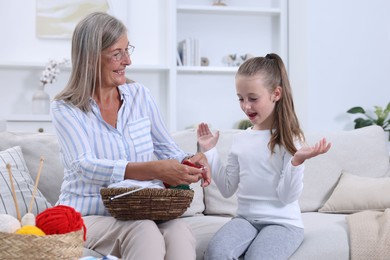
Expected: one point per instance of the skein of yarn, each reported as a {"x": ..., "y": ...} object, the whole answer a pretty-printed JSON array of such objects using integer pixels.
[
  {"x": 28, "y": 220},
  {"x": 30, "y": 230},
  {"x": 9, "y": 224},
  {"x": 60, "y": 219}
]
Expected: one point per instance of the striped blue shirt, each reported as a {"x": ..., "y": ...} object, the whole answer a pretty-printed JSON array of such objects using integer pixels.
[{"x": 95, "y": 154}]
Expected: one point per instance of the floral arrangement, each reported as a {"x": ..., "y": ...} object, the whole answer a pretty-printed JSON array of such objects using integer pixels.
[{"x": 52, "y": 70}]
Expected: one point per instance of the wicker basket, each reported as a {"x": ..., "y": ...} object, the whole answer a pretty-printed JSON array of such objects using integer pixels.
[
  {"x": 64, "y": 246},
  {"x": 149, "y": 203}
]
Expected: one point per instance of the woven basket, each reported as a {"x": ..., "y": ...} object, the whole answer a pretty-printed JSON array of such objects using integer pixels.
[
  {"x": 149, "y": 203},
  {"x": 64, "y": 246}
]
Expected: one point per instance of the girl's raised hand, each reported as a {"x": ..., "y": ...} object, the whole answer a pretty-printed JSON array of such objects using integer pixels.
[
  {"x": 308, "y": 152},
  {"x": 206, "y": 139}
]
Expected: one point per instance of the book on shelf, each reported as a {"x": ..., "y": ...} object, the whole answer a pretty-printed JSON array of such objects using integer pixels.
[{"x": 188, "y": 52}]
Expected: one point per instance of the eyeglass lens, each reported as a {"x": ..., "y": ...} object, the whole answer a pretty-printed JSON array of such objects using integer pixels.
[{"x": 119, "y": 56}]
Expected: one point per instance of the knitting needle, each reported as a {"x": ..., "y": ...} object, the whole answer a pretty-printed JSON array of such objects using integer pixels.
[
  {"x": 13, "y": 191},
  {"x": 36, "y": 183},
  {"x": 129, "y": 192}
]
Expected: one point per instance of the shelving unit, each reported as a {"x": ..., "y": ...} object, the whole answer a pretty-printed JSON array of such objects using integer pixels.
[{"x": 207, "y": 94}]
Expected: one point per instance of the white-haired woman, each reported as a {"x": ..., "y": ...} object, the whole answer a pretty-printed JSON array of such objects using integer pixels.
[{"x": 108, "y": 130}]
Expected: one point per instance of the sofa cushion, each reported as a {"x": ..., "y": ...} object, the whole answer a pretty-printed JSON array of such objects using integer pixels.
[
  {"x": 187, "y": 142},
  {"x": 22, "y": 184},
  {"x": 35, "y": 145},
  {"x": 214, "y": 202},
  {"x": 197, "y": 206},
  {"x": 356, "y": 193},
  {"x": 362, "y": 152},
  {"x": 326, "y": 237},
  {"x": 203, "y": 228}
]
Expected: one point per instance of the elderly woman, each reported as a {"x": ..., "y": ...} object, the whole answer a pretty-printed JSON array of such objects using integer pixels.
[{"x": 108, "y": 130}]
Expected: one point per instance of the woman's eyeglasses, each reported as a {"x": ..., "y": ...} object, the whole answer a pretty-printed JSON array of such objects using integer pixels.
[{"x": 121, "y": 54}]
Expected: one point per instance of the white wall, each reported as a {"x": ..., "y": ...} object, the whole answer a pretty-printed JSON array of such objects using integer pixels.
[{"x": 339, "y": 56}]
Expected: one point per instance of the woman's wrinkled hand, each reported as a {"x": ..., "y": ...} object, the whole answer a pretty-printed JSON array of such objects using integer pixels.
[
  {"x": 200, "y": 160},
  {"x": 174, "y": 173}
]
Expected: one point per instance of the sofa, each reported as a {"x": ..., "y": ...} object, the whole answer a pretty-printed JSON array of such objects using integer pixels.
[{"x": 352, "y": 177}]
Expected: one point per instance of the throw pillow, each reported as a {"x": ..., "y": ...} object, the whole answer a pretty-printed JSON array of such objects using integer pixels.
[
  {"x": 356, "y": 193},
  {"x": 23, "y": 185}
]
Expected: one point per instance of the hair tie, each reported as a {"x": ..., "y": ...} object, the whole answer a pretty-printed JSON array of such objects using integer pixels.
[{"x": 268, "y": 56}]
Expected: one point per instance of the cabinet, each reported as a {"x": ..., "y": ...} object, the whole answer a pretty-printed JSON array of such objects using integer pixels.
[
  {"x": 30, "y": 124},
  {"x": 207, "y": 93}
]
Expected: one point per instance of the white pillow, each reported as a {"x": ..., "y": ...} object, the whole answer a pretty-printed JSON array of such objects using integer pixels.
[
  {"x": 356, "y": 193},
  {"x": 197, "y": 206},
  {"x": 23, "y": 185}
]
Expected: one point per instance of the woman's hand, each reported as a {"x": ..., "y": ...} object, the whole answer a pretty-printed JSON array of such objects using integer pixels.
[
  {"x": 308, "y": 152},
  {"x": 206, "y": 139},
  {"x": 200, "y": 160},
  {"x": 174, "y": 173}
]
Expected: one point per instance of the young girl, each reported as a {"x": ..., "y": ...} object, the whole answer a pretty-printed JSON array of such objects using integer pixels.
[{"x": 265, "y": 167}]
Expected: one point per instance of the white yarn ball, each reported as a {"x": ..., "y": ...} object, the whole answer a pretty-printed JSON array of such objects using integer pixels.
[
  {"x": 28, "y": 220},
  {"x": 9, "y": 224}
]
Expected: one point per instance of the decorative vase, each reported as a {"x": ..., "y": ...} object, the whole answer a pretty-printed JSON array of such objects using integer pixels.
[{"x": 41, "y": 101}]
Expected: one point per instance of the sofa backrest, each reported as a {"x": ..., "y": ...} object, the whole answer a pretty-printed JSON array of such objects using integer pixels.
[{"x": 362, "y": 152}]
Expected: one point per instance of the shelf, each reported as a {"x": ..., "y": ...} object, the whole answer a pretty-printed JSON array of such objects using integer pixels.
[
  {"x": 198, "y": 9},
  {"x": 211, "y": 70},
  {"x": 41, "y": 66},
  {"x": 28, "y": 118}
]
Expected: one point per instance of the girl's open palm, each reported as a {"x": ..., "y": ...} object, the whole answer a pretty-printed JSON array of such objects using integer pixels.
[
  {"x": 308, "y": 152},
  {"x": 206, "y": 139}
]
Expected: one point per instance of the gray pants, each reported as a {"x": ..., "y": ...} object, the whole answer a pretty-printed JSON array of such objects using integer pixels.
[{"x": 253, "y": 240}]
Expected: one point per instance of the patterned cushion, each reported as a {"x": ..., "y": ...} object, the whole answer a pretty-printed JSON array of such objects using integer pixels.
[{"x": 23, "y": 185}]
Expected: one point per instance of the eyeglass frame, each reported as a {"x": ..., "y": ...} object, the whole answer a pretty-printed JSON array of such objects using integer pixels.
[{"x": 121, "y": 54}]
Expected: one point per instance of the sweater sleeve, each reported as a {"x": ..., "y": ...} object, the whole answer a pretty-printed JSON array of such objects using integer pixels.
[
  {"x": 290, "y": 185},
  {"x": 225, "y": 177}
]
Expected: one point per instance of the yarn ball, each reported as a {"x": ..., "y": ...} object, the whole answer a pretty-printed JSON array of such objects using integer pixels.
[
  {"x": 60, "y": 219},
  {"x": 28, "y": 220},
  {"x": 9, "y": 224},
  {"x": 30, "y": 230}
]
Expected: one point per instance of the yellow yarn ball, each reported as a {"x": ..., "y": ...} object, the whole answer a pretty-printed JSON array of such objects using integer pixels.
[{"x": 30, "y": 230}]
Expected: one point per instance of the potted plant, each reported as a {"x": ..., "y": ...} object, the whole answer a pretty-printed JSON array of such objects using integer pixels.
[
  {"x": 381, "y": 117},
  {"x": 244, "y": 124}
]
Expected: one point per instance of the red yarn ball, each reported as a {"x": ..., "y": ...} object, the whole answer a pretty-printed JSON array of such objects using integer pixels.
[{"x": 60, "y": 219}]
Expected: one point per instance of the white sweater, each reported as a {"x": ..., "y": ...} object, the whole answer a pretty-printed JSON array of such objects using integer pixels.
[{"x": 268, "y": 185}]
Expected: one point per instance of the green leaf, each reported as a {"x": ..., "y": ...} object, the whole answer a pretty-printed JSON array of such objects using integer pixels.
[
  {"x": 360, "y": 122},
  {"x": 356, "y": 110},
  {"x": 388, "y": 107}
]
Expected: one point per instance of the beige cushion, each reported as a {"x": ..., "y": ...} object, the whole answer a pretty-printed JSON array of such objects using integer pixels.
[
  {"x": 214, "y": 202},
  {"x": 355, "y": 193},
  {"x": 362, "y": 152},
  {"x": 35, "y": 145},
  {"x": 23, "y": 185},
  {"x": 187, "y": 142},
  {"x": 197, "y": 206}
]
